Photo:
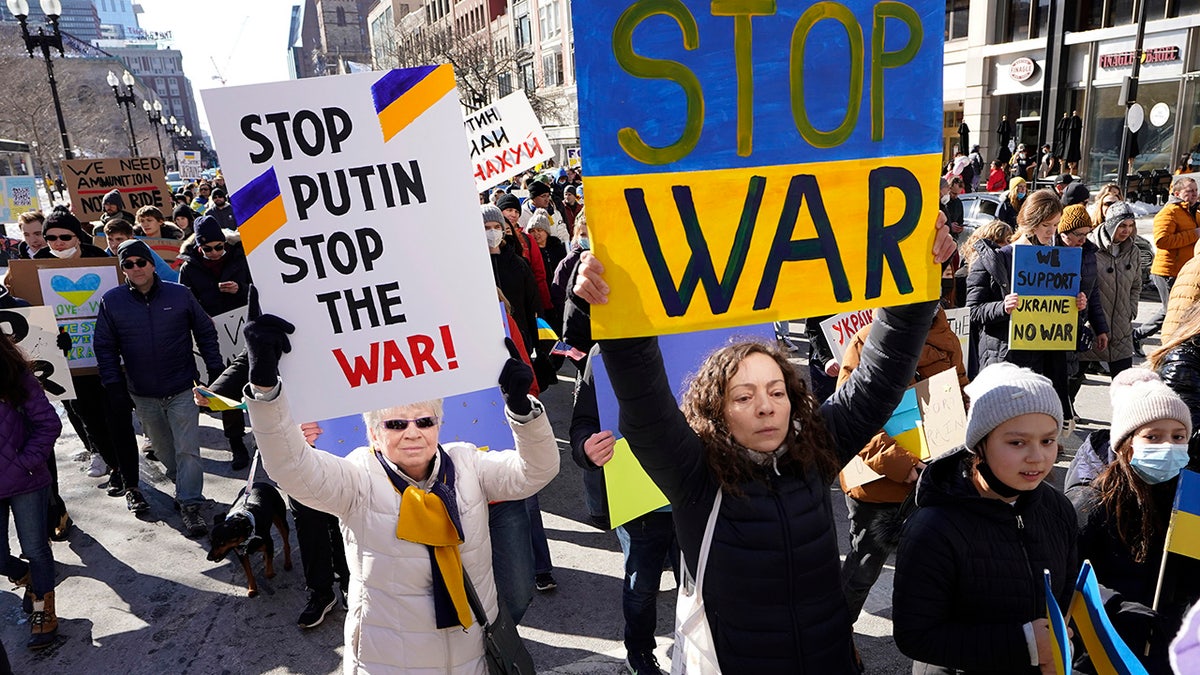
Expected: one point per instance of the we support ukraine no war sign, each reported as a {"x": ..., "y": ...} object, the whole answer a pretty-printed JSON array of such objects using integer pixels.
[
  {"x": 361, "y": 223},
  {"x": 752, "y": 161}
]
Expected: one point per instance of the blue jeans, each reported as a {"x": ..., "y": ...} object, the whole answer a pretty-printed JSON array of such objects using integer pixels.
[
  {"x": 512, "y": 556},
  {"x": 173, "y": 425},
  {"x": 647, "y": 542},
  {"x": 537, "y": 536},
  {"x": 595, "y": 499},
  {"x": 29, "y": 515}
]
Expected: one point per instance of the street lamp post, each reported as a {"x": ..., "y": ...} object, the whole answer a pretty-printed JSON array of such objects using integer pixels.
[
  {"x": 154, "y": 114},
  {"x": 52, "y": 9},
  {"x": 125, "y": 100}
]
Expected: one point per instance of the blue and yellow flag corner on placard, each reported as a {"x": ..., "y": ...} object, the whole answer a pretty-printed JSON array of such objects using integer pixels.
[
  {"x": 258, "y": 207},
  {"x": 404, "y": 94}
]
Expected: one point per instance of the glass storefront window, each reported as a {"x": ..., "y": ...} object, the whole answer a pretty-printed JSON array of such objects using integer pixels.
[{"x": 1154, "y": 144}]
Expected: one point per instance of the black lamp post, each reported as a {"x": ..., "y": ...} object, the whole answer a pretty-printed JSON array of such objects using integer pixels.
[
  {"x": 125, "y": 100},
  {"x": 154, "y": 114},
  {"x": 52, "y": 9}
]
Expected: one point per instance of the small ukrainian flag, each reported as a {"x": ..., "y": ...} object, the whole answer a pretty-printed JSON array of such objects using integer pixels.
[
  {"x": 1059, "y": 641},
  {"x": 404, "y": 94},
  {"x": 545, "y": 332},
  {"x": 1183, "y": 535},
  {"x": 1108, "y": 651},
  {"x": 258, "y": 207}
]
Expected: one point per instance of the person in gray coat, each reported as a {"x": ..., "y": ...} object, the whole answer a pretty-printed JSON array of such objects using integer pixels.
[{"x": 1118, "y": 285}]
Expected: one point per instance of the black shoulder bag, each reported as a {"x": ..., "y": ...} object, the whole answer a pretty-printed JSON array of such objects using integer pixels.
[{"x": 502, "y": 646}]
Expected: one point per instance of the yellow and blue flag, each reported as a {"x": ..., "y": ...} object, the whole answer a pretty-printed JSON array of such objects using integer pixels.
[
  {"x": 1108, "y": 651},
  {"x": 1059, "y": 641},
  {"x": 545, "y": 332},
  {"x": 1183, "y": 535}
]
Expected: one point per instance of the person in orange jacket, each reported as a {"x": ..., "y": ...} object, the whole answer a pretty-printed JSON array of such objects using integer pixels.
[
  {"x": 1175, "y": 235},
  {"x": 878, "y": 508}
]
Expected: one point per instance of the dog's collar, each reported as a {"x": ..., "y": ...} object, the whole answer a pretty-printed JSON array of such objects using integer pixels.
[{"x": 241, "y": 507}]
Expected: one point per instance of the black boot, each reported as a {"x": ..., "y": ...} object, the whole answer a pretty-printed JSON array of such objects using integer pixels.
[{"x": 241, "y": 456}]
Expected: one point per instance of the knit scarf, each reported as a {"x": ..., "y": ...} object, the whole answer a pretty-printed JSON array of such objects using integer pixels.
[{"x": 431, "y": 519}]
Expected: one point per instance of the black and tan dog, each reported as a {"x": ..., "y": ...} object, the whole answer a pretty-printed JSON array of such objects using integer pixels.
[{"x": 247, "y": 529}]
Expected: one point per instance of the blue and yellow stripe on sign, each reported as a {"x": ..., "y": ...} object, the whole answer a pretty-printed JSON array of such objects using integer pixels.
[
  {"x": 1183, "y": 536},
  {"x": 545, "y": 332},
  {"x": 1108, "y": 651},
  {"x": 402, "y": 95},
  {"x": 258, "y": 207},
  {"x": 1060, "y": 643}
]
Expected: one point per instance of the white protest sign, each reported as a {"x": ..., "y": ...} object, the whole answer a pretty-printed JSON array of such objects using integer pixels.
[
  {"x": 839, "y": 328},
  {"x": 189, "y": 164},
  {"x": 36, "y": 332},
  {"x": 943, "y": 415},
  {"x": 18, "y": 194},
  {"x": 506, "y": 138},
  {"x": 362, "y": 228},
  {"x": 73, "y": 294},
  {"x": 229, "y": 338},
  {"x": 960, "y": 323}
]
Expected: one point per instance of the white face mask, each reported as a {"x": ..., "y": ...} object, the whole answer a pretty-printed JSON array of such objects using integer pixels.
[
  {"x": 69, "y": 253},
  {"x": 494, "y": 238},
  {"x": 1159, "y": 462}
]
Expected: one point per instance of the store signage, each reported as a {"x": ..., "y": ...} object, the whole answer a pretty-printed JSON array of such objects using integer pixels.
[
  {"x": 1022, "y": 69},
  {"x": 1124, "y": 59}
]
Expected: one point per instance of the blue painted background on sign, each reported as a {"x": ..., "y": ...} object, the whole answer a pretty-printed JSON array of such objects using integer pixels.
[
  {"x": 612, "y": 99},
  {"x": 682, "y": 355},
  {"x": 1032, "y": 276}
]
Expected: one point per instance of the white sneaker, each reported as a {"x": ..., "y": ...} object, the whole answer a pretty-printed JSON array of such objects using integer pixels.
[{"x": 98, "y": 467}]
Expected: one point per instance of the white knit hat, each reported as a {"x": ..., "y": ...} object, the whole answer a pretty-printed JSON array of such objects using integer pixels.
[
  {"x": 1139, "y": 397},
  {"x": 1003, "y": 391}
]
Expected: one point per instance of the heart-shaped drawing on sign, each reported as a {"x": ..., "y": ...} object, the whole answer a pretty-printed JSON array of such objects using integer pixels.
[{"x": 75, "y": 291}]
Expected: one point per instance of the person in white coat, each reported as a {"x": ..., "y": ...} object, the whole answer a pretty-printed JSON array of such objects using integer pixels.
[{"x": 407, "y": 605}]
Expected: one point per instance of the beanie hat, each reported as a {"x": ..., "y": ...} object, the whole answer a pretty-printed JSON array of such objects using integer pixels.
[
  {"x": 1117, "y": 214},
  {"x": 1003, "y": 391},
  {"x": 218, "y": 192},
  {"x": 62, "y": 219},
  {"x": 185, "y": 211},
  {"x": 134, "y": 248},
  {"x": 508, "y": 202},
  {"x": 491, "y": 213},
  {"x": 1139, "y": 397},
  {"x": 1064, "y": 179},
  {"x": 1076, "y": 193},
  {"x": 1073, "y": 217},
  {"x": 570, "y": 190},
  {"x": 537, "y": 188},
  {"x": 208, "y": 229},
  {"x": 114, "y": 197},
  {"x": 540, "y": 221}
]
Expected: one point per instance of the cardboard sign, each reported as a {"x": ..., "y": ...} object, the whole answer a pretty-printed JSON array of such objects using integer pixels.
[
  {"x": 857, "y": 473},
  {"x": 142, "y": 181},
  {"x": 229, "y": 338},
  {"x": 36, "y": 333},
  {"x": 631, "y": 492},
  {"x": 574, "y": 158},
  {"x": 839, "y": 328},
  {"x": 189, "y": 164},
  {"x": 18, "y": 194},
  {"x": 506, "y": 139},
  {"x": 757, "y": 162},
  {"x": 960, "y": 323},
  {"x": 1046, "y": 279},
  {"x": 943, "y": 417},
  {"x": 72, "y": 289},
  {"x": 361, "y": 224}
]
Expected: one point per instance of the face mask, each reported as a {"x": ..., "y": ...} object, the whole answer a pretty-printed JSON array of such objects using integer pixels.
[
  {"x": 1020, "y": 196},
  {"x": 69, "y": 253},
  {"x": 585, "y": 243},
  {"x": 945, "y": 199},
  {"x": 1003, "y": 489},
  {"x": 494, "y": 237},
  {"x": 1159, "y": 462}
]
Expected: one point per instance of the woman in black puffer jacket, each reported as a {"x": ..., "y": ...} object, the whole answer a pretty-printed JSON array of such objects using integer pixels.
[
  {"x": 750, "y": 431},
  {"x": 1177, "y": 362},
  {"x": 969, "y": 592}
]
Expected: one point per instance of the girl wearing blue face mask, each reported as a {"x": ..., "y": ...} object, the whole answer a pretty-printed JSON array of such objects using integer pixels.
[{"x": 1124, "y": 511}]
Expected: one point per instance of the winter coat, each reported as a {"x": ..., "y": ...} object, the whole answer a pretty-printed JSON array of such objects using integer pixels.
[
  {"x": 152, "y": 333},
  {"x": 562, "y": 274},
  {"x": 533, "y": 255},
  {"x": 997, "y": 181},
  {"x": 953, "y": 208},
  {"x": 1090, "y": 459},
  {"x": 553, "y": 254},
  {"x": 969, "y": 571},
  {"x": 1118, "y": 287},
  {"x": 390, "y": 626},
  {"x": 1175, "y": 236},
  {"x": 224, "y": 216},
  {"x": 167, "y": 231},
  {"x": 202, "y": 280},
  {"x": 988, "y": 281},
  {"x": 515, "y": 281},
  {"x": 1007, "y": 212},
  {"x": 27, "y": 436},
  {"x": 1184, "y": 294},
  {"x": 1088, "y": 274},
  {"x": 772, "y": 592},
  {"x": 942, "y": 351},
  {"x": 1180, "y": 370}
]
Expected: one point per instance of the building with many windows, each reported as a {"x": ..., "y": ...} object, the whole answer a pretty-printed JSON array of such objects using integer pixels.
[{"x": 1035, "y": 62}]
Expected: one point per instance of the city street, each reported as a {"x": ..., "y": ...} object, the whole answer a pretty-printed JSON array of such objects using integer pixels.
[{"x": 136, "y": 596}]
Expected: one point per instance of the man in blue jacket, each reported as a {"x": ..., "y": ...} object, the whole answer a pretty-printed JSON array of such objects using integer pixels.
[{"x": 150, "y": 323}]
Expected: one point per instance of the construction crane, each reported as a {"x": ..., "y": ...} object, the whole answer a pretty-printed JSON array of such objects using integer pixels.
[{"x": 232, "y": 48}]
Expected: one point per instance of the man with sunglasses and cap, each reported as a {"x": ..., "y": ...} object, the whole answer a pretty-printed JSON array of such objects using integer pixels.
[
  {"x": 215, "y": 270},
  {"x": 150, "y": 324}
]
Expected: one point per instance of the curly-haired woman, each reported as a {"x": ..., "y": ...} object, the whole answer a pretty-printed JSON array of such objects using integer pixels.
[{"x": 751, "y": 435}]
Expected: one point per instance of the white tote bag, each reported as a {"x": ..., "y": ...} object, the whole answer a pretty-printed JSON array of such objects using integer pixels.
[{"x": 695, "y": 653}]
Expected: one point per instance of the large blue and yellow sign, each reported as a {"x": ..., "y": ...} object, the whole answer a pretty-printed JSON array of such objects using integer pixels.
[{"x": 754, "y": 160}]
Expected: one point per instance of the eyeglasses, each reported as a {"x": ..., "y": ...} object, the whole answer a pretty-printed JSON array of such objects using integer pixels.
[
  {"x": 59, "y": 237},
  {"x": 130, "y": 264},
  {"x": 214, "y": 247},
  {"x": 1079, "y": 235},
  {"x": 402, "y": 424}
]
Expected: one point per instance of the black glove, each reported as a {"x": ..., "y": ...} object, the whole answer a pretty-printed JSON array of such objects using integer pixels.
[
  {"x": 515, "y": 379},
  {"x": 267, "y": 340},
  {"x": 63, "y": 340},
  {"x": 118, "y": 395}
]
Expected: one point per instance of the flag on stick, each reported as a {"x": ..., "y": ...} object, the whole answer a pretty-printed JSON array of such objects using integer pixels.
[
  {"x": 1059, "y": 642},
  {"x": 1108, "y": 651}
]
